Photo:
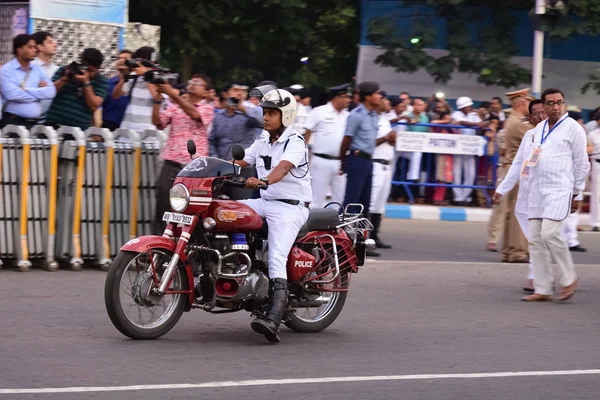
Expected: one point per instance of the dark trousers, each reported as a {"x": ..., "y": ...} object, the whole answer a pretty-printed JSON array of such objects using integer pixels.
[
  {"x": 12, "y": 119},
  {"x": 168, "y": 173},
  {"x": 359, "y": 181},
  {"x": 111, "y": 126}
]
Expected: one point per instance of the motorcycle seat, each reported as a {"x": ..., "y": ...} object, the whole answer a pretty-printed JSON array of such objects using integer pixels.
[{"x": 318, "y": 219}]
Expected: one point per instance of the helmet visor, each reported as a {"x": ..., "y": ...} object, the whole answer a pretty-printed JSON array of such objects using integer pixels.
[{"x": 269, "y": 97}]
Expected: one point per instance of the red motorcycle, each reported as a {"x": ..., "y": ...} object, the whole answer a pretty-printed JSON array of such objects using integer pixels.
[{"x": 213, "y": 256}]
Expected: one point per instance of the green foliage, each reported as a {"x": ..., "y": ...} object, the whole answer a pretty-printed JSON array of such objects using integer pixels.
[
  {"x": 254, "y": 40},
  {"x": 480, "y": 38},
  {"x": 480, "y": 41}
]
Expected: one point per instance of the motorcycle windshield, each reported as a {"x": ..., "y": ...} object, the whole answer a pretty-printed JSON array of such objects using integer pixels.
[{"x": 208, "y": 167}]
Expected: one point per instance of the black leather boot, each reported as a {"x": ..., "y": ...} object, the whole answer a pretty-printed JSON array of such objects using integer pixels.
[
  {"x": 376, "y": 221},
  {"x": 269, "y": 325}
]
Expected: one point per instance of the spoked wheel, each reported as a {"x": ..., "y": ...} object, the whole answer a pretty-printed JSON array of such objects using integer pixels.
[
  {"x": 315, "y": 319},
  {"x": 132, "y": 307}
]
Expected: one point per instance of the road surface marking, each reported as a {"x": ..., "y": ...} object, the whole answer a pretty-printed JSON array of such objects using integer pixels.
[
  {"x": 275, "y": 382},
  {"x": 464, "y": 263}
]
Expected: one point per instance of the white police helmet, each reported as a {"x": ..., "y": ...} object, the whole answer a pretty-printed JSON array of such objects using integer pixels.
[{"x": 271, "y": 97}]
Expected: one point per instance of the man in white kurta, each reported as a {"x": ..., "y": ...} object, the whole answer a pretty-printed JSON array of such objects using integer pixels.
[{"x": 556, "y": 167}]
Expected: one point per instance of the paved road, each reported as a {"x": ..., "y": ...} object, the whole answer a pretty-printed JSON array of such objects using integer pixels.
[{"x": 402, "y": 319}]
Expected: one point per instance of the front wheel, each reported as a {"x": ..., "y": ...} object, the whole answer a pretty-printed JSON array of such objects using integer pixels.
[{"x": 132, "y": 307}]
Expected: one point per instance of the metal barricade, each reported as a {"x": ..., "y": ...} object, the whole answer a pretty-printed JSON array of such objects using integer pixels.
[
  {"x": 151, "y": 162},
  {"x": 41, "y": 216},
  {"x": 429, "y": 184},
  {"x": 14, "y": 183},
  {"x": 96, "y": 197},
  {"x": 71, "y": 169},
  {"x": 125, "y": 190}
]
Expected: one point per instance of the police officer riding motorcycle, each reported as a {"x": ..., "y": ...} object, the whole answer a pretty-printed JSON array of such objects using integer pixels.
[{"x": 280, "y": 156}]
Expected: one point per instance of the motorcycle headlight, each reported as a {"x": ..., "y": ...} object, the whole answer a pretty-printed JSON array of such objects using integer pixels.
[{"x": 179, "y": 197}]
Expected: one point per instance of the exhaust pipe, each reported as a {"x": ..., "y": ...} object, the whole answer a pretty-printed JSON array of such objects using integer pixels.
[{"x": 318, "y": 302}]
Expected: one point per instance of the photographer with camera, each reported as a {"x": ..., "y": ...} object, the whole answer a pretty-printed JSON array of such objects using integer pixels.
[
  {"x": 113, "y": 109},
  {"x": 189, "y": 119},
  {"x": 236, "y": 124},
  {"x": 139, "y": 91},
  {"x": 81, "y": 90}
]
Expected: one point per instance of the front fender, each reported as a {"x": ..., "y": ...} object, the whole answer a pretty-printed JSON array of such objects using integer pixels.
[{"x": 149, "y": 242}]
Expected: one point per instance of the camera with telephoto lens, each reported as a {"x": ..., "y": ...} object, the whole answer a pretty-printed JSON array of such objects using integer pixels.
[
  {"x": 74, "y": 69},
  {"x": 156, "y": 74}
]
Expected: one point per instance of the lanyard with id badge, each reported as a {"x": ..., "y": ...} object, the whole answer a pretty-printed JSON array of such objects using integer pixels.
[{"x": 536, "y": 154}]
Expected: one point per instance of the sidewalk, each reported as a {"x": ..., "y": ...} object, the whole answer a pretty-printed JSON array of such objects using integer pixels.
[{"x": 461, "y": 214}]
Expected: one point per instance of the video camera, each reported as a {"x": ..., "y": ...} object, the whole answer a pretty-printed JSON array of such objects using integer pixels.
[
  {"x": 73, "y": 69},
  {"x": 156, "y": 74}
]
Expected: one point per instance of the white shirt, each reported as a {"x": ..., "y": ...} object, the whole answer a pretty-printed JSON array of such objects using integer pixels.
[
  {"x": 459, "y": 117},
  {"x": 296, "y": 184},
  {"x": 514, "y": 174},
  {"x": 301, "y": 118},
  {"x": 590, "y": 126},
  {"x": 327, "y": 126},
  {"x": 385, "y": 150},
  {"x": 561, "y": 170},
  {"x": 49, "y": 69},
  {"x": 594, "y": 137}
]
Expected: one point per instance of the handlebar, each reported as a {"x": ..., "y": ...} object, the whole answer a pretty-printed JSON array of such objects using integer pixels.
[{"x": 241, "y": 182}]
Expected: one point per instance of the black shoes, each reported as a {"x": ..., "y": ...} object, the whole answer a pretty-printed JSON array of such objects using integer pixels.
[
  {"x": 376, "y": 221},
  {"x": 578, "y": 248},
  {"x": 269, "y": 325}
]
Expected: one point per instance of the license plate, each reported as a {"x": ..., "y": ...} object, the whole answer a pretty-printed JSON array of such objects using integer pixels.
[{"x": 176, "y": 218}]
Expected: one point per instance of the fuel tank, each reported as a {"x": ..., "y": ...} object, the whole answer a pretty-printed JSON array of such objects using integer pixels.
[{"x": 234, "y": 216}]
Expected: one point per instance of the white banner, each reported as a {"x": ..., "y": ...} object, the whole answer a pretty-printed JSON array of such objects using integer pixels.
[{"x": 442, "y": 143}]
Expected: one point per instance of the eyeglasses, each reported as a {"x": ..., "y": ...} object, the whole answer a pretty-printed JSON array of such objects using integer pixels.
[
  {"x": 195, "y": 83},
  {"x": 537, "y": 114},
  {"x": 553, "y": 103}
]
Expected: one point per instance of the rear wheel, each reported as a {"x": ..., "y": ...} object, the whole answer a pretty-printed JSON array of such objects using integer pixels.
[
  {"x": 132, "y": 307},
  {"x": 316, "y": 318}
]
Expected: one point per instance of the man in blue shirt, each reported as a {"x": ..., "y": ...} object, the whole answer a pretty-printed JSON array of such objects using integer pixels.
[
  {"x": 236, "y": 124},
  {"x": 113, "y": 109},
  {"x": 360, "y": 139},
  {"x": 24, "y": 85}
]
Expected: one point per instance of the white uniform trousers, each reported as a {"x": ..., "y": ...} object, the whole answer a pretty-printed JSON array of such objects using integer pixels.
[
  {"x": 595, "y": 196},
  {"x": 545, "y": 240},
  {"x": 524, "y": 224},
  {"x": 381, "y": 187},
  {"x": 325, "y": 174},
  {"x": 463, "y": 164},
  {"x": 284, "y": 222},
  {"x": 569, "y": 229}
]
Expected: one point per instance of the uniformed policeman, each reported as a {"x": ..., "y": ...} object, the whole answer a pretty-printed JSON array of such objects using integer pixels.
[
  {"x": 358, "y": 145},
  {"x": 383, "y": 170},
  {"x": 325, "y": 126},
  {"x": 281, "y": 159},
  {"x": 516, "y": 125}
]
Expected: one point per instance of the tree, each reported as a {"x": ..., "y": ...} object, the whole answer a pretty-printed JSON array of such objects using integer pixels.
[
  {"x": 480, "y": 37},
  {"x": 252, "y": 40}
]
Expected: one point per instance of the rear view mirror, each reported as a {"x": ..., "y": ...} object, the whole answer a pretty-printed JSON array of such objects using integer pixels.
[
  {"x": 238, "y": 152},
  {"x": 191, "y": 147}
]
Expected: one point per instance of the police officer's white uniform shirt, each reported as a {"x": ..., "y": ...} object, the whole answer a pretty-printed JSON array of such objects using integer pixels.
[
  {"x": 327, "y": 126},
  {"x": 382, "y": 173},
  {"x": 594, "y": 137},
  {"x": 301, "y": 118},
  {"x": 284, "y": 220}
]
